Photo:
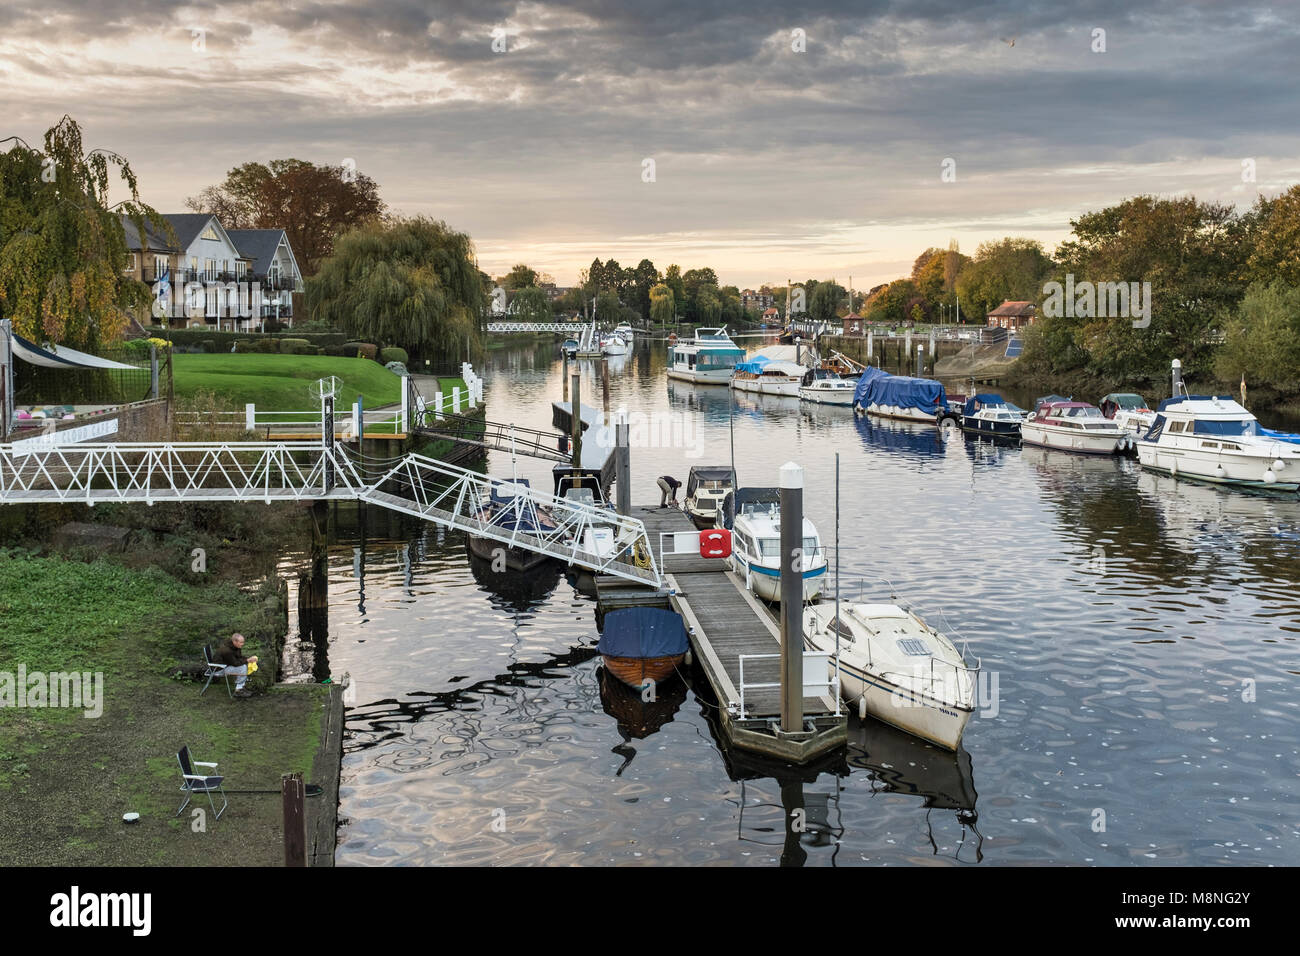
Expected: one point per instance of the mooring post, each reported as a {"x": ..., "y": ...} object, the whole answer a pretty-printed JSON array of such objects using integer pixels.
[
  {"x": 1178, "y": 377},
  {"x": 920, "y": 360},
  {"x": 791, "y": 485},
  {"x": 623, "y": 465},
  {"x": 292, "y": 792},
  {"x": 604, "y": 386},
  {"x": 871, "y": 345},
  {"x": 153, "y": 371},
  {"x": 565, "y": 378},
  {"x": 575, "y": 422}
]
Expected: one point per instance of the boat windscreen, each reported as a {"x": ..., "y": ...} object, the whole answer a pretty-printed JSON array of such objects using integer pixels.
[{"x": 1238, "y": 428}]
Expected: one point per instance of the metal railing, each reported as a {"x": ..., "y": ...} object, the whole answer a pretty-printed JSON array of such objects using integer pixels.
[{"x": 813, "y": 688}]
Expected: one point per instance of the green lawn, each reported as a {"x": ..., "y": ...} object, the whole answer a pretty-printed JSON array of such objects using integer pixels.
[{"x": 282, "y": 382}]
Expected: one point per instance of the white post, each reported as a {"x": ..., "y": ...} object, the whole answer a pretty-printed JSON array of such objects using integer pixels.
[
  {"x": 455, "y": 399},
  {"x": 437, "y": 406},
  {"x": 405, "y": 424},
  {"x": 356, "y": 419},
  {"x": 250, "y": 416}
]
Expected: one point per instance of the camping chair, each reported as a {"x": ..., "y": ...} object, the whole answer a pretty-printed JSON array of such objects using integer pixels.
[
  {"x": 192, "y": 783},
  {"x": 213, "y": 669}
]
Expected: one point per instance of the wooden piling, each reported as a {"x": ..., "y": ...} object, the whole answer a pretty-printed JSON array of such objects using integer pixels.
[{"x": 292, "y": 794}]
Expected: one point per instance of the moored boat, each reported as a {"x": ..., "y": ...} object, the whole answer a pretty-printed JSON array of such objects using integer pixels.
[
  {"x": 1129, "y": 411},
  {"x": 707, "y": 359},
  {"x": 826, "y": 387},
  {"x": 706, "y": 488},
  {"x": 897, "y": 668},
  {"x": 512, "y": 511},
  {"x": 765, "y": 376},
  {"x": 1216, "y": 439},
  {"x": 754, "y": 517},
  {"x": 991, "y": 415},
  {"x": 640, "y": 644},
  {"x": 900, "y": 397},
  {"x": 1073, "y": 426},
  {"x": 614, "y": 344}
]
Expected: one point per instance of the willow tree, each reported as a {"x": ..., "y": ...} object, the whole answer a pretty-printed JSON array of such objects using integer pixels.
[
  {"x": 62, "y": 247},
  {"x": 408, "y": 282},
  {"x": 663, "y": 309}
]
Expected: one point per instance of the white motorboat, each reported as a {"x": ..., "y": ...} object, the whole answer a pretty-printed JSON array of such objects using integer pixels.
[
  {"x": 614, "y": 344},
  {"x": 708, "y": 359},
  {"x": 897, "y": 668},
  {"x": 991, "y": 415},
  {"x": 825, "y": 387},
  {"x": 589, "y": 342},
  {"x": 1216, "y": 439},
  {"x": 1129, "y": 411},
  {"x": 1073, "y": 426},
  {"x": 625, "y": 332},
  {"x": 769, "y": 377},
  {"x": 756, "y": 546},
  {"x": 706, "y": 488}
]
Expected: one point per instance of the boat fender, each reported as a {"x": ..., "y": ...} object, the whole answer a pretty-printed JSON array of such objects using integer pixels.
[
  {"x": 862, "y": 707},
  {"x": 688, "y": 659},
  {"x": 1269, "y": 477},
  {"x": 1173, "y": 468},
  {"x": 1278, "y": 464},
  {"x": 1220, "y": 472}
]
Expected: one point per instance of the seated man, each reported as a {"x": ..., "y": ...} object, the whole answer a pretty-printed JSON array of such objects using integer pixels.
[
  {"x": 668, "y": 485},
  {"x": 230, "y": 652}
]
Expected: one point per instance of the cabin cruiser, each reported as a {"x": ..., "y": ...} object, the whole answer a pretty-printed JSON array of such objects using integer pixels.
[
  {"x": 754, "y": 517},
  {"x": 897, "y": 668},
  {"x": 570, "y": 348},
  {"x": 897, "y": 396},
  {"x": 1129, "y": 411},
  {"x": 614, "y": 344},
  {"x": 1073, "y": 426},
  {"x": 706, "y": 488},
  {"x": 827, "y": 387},
  {"x": 1216, "y": 439},
  {"x": 625, "y": 332},
  {"x": 765, "y": 376},
  {"x": 990, "y": 414},
  {"x": 511, "y": 509},
  {"x": 708, "y": 359}
]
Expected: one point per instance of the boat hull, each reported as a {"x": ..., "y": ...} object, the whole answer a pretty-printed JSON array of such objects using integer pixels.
[
  {"x": 898, "y": 413},
  {"x": 984, "y": 426},
  {"x": 1243, "y": 471},
  {"x": 827, "y": 396},
  {"x": 516, "y": 559},
  {"x": 766, "y": 582},
  {"x": 1070, "y": 440},
  {"x": 939, "y": 722},
  {"x": 635, "y": 671},
  {"x": 787, "y": 387},
  {"x": 712, "y": 376}
]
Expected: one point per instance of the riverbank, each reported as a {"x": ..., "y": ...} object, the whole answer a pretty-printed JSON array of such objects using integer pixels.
[{"x": 136, "y": 622}]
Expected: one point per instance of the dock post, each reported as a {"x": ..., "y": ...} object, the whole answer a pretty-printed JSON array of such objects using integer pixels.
[
  {"x": 871, "y": 345},
  {"x": 791, "y": 484},
  {"x": 564, "y": 377},
  {"x": 1178, "y": 377},
  {"x": 623, "y": 464},
  {"x": 920, "y": 361},
  {"x": 575, "y": 420},
  {"x": 604, "y": 385}
]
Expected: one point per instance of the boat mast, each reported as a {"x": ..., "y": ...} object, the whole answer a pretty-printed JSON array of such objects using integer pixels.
[{"x": 837, "y": 582}]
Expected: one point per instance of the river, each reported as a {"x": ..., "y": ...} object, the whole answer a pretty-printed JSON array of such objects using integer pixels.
[{"x": 1139, "y": 637}]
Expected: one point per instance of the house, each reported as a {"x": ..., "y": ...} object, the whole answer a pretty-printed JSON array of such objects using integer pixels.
[
  {"x": 749, "y": 299},
  {"x": 1013, "y": 315},
  {"x": 209, "y": 277},
  {"x": 771, "y": 316},
  {"x": 274, "y": 267},
  {"x": 854, "y": 324}
]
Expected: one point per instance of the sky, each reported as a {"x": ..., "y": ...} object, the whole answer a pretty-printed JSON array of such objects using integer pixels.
[{"x": 768, "y": 140}]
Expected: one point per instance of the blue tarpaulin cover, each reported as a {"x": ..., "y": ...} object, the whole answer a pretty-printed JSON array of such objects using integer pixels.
[
  {"x": 988, "y": 398},
  {"x": 754, "y": 365},
  {"x": 900, "y": 391},
  {"x": 643, "y": 632},
  {"x": 869, "y": 375}
]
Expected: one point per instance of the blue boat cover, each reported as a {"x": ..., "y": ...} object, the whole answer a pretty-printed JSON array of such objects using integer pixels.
[
  {"x": 755, "y": 365},
  {"x": 643, "y": 632},
  {"x": 988, "y": 398},
  {"x": 869, "y": 375},
  {"x": 900, "y": 391}
]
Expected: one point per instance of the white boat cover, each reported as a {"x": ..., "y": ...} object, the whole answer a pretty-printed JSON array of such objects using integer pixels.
[{"x": 60, "y": 356}]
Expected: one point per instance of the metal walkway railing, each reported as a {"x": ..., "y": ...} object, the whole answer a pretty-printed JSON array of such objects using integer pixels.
[{"x": 272, "y": 471}]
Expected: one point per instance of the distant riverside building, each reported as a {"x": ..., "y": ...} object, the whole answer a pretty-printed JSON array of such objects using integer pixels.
[
  {"x": 854, "y": 324},
  {"x": 220, "y": 268},
  {"x": 771, "y": 316},
  {"x": 1012, "y": 315},
  {"x": 758, "y": 301}
]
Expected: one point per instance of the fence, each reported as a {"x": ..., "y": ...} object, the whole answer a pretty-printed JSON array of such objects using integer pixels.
[{"x": 38, "y": 385}]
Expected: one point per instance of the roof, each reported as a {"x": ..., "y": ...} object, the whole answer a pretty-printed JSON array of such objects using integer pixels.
[
  {"x": 258, "y": 245},
  {"x": 188, "y": 225},
  {"x": 1014, "y": 307},
  {"x": 1204, "y": 405},
  {"x": 158, "y": 242}
]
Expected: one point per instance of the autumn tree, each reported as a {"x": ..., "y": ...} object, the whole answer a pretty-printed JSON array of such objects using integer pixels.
[
  {"x": 313, "y": 204},
  {"x": 62, "y": 247}
]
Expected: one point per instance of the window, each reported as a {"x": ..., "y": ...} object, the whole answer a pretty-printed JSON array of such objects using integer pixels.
[
  {"x": 1175, "y": 427},
  {"x": 836, "y": 626},
  {"x": 1240, "y": 428},
  {"x": 210, "y": 234},
  {"x": 913, "y": 647}
]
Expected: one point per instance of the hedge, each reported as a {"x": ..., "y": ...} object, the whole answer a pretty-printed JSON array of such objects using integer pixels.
[
  {"x": 194, "y": 338},
  {"x": 393, "y": 355}
]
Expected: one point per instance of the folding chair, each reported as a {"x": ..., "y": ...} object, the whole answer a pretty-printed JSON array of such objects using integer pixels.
[
  {"x": 213, "y": 669},
  {"x": 192, "y": 783}
]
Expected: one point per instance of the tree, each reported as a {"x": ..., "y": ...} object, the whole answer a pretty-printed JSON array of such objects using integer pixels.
[
  {"x": 1008, "y": 269},
  {"x": 608, "y": 308},
  {"x": 673, "y": 279},
  {"x": 1276, "y": 246},
  {"x": 410, "y": 283},
  {"x": 642, "y": 279},
  {"x": 531, "y": 304},
  {"x": 662, "y": 308},
  {"x": 1262, "y": 337},
  {"x": 62, "y": 249},
  {"x": 313, "y": 204},
  {"x": 708, "y": 305},
  {"x": 519, "y": 277},
  {"x": 824, "y": 304}
]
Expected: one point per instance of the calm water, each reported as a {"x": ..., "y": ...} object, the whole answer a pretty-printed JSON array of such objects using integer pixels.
[{"x": 1140, "y": 637}]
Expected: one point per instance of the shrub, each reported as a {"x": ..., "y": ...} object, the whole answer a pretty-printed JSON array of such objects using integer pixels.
[
  {"x": 209, "y": 347},
  {"x": 393, "y": 355},
  {"x": 243, "y": 346},
  {"x": 297, "y": 347},
  {"x": 266, "y": 345},
  {"x": 363, "y": 349},
  {"x": 320, "y": 351}
]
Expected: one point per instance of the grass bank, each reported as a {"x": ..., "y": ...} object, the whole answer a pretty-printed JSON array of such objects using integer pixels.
[
  {"x": 283, "y": 382},
  {"x": 66, "y": 779}
]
